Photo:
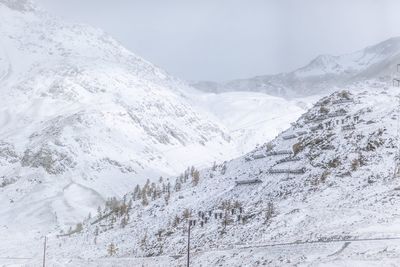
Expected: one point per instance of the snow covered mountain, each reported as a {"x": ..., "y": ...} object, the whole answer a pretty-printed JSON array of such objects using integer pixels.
[
  {"x": 82, "y": 118},
  {"x": 323, "y": 75},
  {"x": 253, "y": 118},
  {"x": 323, "y": 192}
]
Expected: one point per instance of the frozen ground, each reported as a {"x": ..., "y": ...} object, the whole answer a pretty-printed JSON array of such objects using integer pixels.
[
  {"x": 341, "y": 209},
  {"x": 82, "y": 120}
]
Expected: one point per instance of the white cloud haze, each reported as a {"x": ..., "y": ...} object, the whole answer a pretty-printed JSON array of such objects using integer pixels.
[{"x": 227, "y": 39}]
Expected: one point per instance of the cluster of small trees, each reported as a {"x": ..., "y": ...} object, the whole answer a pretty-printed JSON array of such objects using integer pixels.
[
  {"x": 344, "y": 94},
  {"x": 190, "y": 174},
  {"x": 78, "y": 228},
  {"x": 222, "y": 168},
  {"x": 228, "y": 208},
  {"x": 226, "y": 213},
  {"x": 320, "y": 179},
  {"x": 298, "y": 147},
  {"x": 113, "y": 211},
  {"x": 118, "y": 210},
  {"x": 153, "y": 191},
  {"x": 227, "y": 205},
  {"x": 323, "y": 110}
]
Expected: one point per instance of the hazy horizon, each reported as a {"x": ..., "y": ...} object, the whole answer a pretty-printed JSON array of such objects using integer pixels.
[{"x": 224, "y": 40}]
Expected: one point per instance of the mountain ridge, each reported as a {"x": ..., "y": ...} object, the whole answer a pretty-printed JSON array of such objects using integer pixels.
[{"x": 323, "y": 75}]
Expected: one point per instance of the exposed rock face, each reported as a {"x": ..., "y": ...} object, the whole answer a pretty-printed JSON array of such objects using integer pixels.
[
  {"x": 8, "y": 155},
  {"x": 18, "y": 5},
  {"x": 52, "y": 160}
]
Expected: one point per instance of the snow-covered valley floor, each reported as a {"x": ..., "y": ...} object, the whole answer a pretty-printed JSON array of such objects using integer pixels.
[{"x": 351, "y": 252}]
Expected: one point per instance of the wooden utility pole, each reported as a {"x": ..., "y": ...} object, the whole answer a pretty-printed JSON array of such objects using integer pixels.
[
  {"x": 44, "y": 251},
  {"x": 397, "y": 156},
  {"x": 188, "y": 244}
]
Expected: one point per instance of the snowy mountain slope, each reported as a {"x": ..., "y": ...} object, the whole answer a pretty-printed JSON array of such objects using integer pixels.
[
  {"x": 253, "y": 118},
  {"x": 82, "y": 118},
  {"x": 322, "y": 75},
  {"x": 329, "y": 177}
]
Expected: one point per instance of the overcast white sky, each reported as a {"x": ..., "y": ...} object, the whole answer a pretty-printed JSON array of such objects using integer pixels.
[{"x": 228, "y": 39}]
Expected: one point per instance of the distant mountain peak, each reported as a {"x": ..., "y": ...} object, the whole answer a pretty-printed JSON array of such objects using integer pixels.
[
  {"x": 386, "y": 47},
  {"x": 321, "y": 64},
  {"x": 323, "y": 74}
]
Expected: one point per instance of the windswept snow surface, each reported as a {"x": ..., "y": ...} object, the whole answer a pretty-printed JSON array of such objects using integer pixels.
[{"x": 323, "y": 193}]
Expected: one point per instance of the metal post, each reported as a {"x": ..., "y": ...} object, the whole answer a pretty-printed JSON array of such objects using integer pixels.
[
  {"x": 188, "y": 244},
  {"x": 44, "y": 251}
]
